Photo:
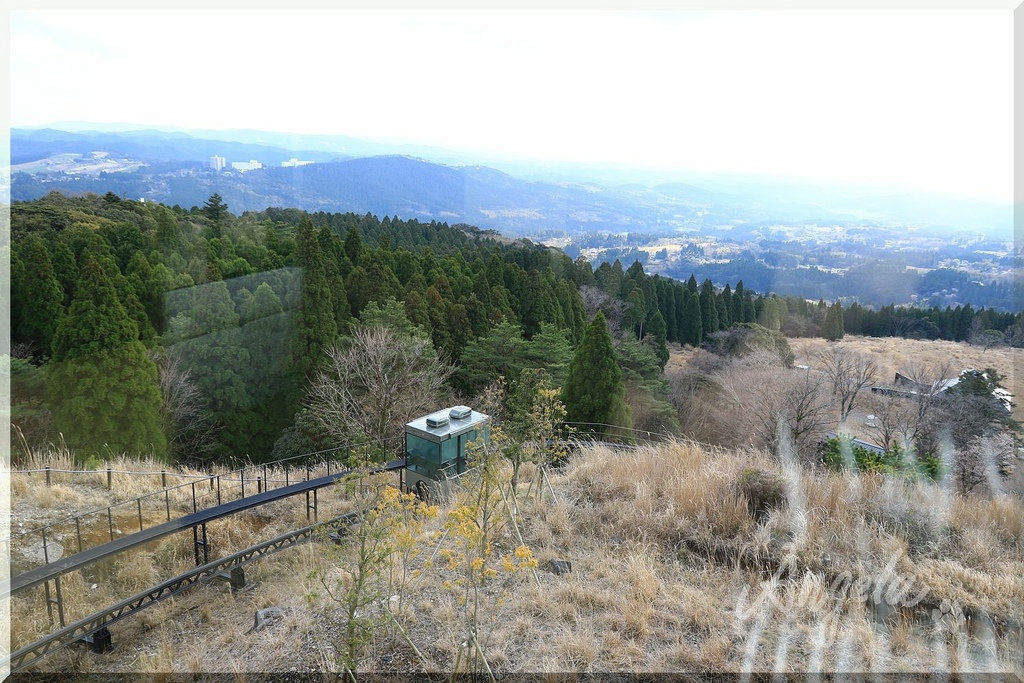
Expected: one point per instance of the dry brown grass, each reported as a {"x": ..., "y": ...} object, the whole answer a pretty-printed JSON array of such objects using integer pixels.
[{"x": 670, "y": 572}]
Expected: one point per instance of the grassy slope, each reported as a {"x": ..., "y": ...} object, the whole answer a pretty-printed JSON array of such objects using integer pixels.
[{"x": 669, "y": 573}]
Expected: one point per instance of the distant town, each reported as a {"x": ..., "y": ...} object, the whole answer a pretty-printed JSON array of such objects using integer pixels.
[
  {"x": 218, "y": 163},
  {"x": 74, "y": 165}
]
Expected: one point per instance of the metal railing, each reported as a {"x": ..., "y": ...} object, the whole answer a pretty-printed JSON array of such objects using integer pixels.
[
  {"x": 74, "y": 632},
  {"x": 103, "y": 524}
]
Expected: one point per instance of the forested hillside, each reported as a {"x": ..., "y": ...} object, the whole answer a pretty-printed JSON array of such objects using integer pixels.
[{"x": 197, "y": 335}]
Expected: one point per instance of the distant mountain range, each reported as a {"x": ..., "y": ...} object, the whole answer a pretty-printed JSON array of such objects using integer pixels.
[{"x": 359, "y": 176}]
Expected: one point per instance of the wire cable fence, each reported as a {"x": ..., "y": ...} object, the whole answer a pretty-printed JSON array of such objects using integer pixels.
[
  {"x": 599, "y": 432},
  {"x": 104, "y": 524}
]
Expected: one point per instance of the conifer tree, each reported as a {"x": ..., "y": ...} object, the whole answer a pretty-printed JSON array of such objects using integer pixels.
[
  {"x": 769, "y": 317},
  {"x": 216, "y": 211},
  {"x": 708, "y": 310},
  {"x": 749, "y": 314},
  {"x": 103, "y": 386},
  {"x": 679, "y": 294},
  {"x": 335, "y": 279},
  {"x": 531, "y": 306},
  {"x": 659, "y": 330},
  {"x": 37, "y": 322},
  {"x": 636, "y": 312},
  {"x": 353, "y": 245},
  {"x": 737, "y": 304},
  {"x": 726, "y": 320},
  {"x": 832, "y": 327},
  {"x": 691, "y": 285},
  {"x": 64, "y": 268},
  {"x": 315, "y": 327},
  {"x": 594, "y": 392},
  {"x": 692, "y": 327},
  {"x": 723, "y": 313}
]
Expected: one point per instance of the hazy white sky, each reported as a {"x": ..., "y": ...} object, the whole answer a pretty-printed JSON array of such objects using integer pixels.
[{"x": 917, "y": 99}]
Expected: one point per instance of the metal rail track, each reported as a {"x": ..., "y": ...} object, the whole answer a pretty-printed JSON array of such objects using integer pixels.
[
  {"x": 204, "y": 570},
  {"x": 65, "y": 565},
  {"x": 52, "y": 572},
  {"x": 75, "y": 632}
]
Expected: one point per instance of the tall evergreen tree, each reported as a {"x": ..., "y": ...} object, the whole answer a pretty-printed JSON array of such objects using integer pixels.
[
  {"x": 659, "y": 330},
  {"x": 216, "y": 211},
  {"x": 726, "y": 320},
  {"x": 315, "y": 326},
  {"x": 331, "y": 248},
  {"x": 531, "y": 305},
  {"x": 749, "y": 314},
  {"x": 594, "y": 392},
  {"x": 635, "y": 314},
  {"x": 353, "y": 245},
  {"x": 692, "y": 327},
  {"x": 737, "y": 304},
  {"x": 832, "y": 327},
  {"x": 769, "y": 317},
  {"x": 680, "y": 293},
  {"x": 668, "y": 308},
  {"x": 691, "y": 285},
  {"x": 103, "y": 386},
  {"x": 42, "y": 295},
  {"x": 708, "y": 310}
]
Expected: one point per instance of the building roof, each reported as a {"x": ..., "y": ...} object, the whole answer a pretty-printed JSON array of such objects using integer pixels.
[{"x": 453, "y": 427}]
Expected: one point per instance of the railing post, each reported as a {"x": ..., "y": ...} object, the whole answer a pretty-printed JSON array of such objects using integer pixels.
[
  {"x": 200, "y": 543},
  {"x": 78, "y": 532},
  {"x": 47, "y": 475},
  {"x": 211, "y": 482},
  {"x": 60, "y": 600},
  {"x": 259, "y": 484},
  {"x": 110, "y": 522},
  {"x": 311, "y": 505},
  {"x": 266, "y": 480},
  {"x": 241, "y": 478},
  {"x": 46, "y": 553},
  {"x": 193, "y": 496},
  {"x": 218, "y": 489},
  {"x": 167, "y": 503},
  {"x": 139, "y": 502},
  {"x": 163, "y": 478},
  {"x": 286, "y": 474},
  {"x": 110, "y": 479},
  {"x": 51, "y": 601}
]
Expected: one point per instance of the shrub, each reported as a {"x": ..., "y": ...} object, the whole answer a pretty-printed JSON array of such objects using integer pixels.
[
  {"x": 764, "y": 491},
  {"x": 840, "y": 452}
]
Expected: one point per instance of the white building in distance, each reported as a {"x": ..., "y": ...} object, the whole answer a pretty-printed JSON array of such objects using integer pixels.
[
  {"x": 294, "y": 162},
  {"x": 250, "y": 165},
  {"x": 217, "y": 163}
]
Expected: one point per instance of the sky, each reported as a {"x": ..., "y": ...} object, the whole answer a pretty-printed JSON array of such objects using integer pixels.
[{"x": 921, "y": 100}]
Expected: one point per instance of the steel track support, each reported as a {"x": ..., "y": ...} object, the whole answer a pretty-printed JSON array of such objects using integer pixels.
[{"x": 201, "y": 542}]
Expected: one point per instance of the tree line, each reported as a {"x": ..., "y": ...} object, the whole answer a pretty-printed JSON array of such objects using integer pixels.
[{"x": 196, "y": 335}]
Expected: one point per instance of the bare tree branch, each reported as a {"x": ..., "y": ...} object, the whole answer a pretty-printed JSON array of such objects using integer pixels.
[
  {"x": 848, "y": 372},
  {"x": 376, "y": 383},
  {"x": 190, "y": 431},
  {"x": 766, "y": 395},
  {"x": 890, "y": 417}
]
